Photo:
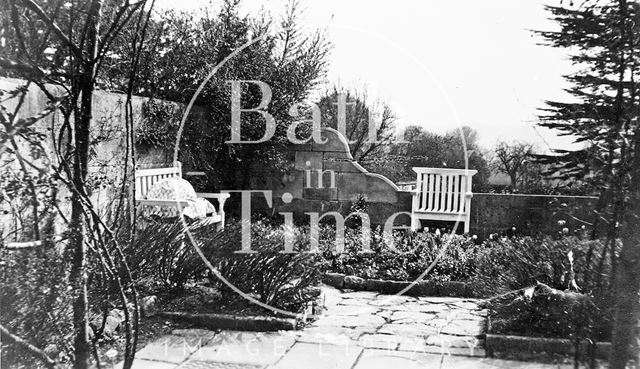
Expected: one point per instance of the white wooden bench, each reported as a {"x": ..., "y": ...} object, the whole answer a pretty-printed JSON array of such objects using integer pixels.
[
  {"x": 442, "y": 194},
  {"x": 146, "y": 178}
]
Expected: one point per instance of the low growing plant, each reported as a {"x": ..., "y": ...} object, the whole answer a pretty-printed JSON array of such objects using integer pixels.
[
  {"x": 508, "y": 264},
  {"x": 163, "y": 255},
  {"x": 283, "y": 280},
  {"x": 404, "y": 255},
  {"x": 35, "y": 277},
  {"x": 508, "y": 267}
]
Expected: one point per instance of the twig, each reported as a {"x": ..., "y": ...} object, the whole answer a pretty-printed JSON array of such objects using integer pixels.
[
  {"x": 38, "y": 353},
  {"x": 54, "y": 27}
]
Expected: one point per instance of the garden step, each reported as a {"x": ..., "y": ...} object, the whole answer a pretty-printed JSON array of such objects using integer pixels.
[
  {"x": 350, "y": 321},
  {"x": 407, "y": 330},
  {"x": 411, "y": 317},
  {"x": 256, "y": 348},
  {"x": 331, "y": 334},
  {"x": 381, "y": 341},
  {"x": 464, "y": 328},
  {"x": 420, "y": 347},
  {"x": 171, "y": 348},
  {"x": 310, "y": 356},
  {"x": 350, "y": 310}
]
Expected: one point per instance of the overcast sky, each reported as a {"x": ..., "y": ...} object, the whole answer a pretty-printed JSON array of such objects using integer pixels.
[{"x": 442, "y": 63}]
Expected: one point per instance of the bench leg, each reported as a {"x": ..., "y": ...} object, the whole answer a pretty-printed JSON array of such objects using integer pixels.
[
  {"x": 467, "y": 223},
  {"x": 415, "y": 223}
]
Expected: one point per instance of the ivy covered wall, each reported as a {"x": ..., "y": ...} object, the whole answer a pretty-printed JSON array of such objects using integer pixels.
[{"x": 155, "y": 122}]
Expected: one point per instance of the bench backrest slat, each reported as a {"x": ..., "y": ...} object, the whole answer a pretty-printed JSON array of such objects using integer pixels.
[
  {"x": 461, "y": 194},
  {"x": 456, "y": 188},
  {"x": 442, "y": 194},
  {"x": 443, "y": 190},
  {"x": 146, "y": 178},
  {"x": 449, "y": 208},
  {"x": 436, "y": 194}
]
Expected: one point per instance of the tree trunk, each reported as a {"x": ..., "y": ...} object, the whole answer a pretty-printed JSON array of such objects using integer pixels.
[
  {"x": 82, "y": 128},
  {"x": 625, "y": 347},
  {"x": 78, "y": 279},
  {"x": 78, "y": 228},
  {"x": 626, "y": 335},
  {"x": 513, "y": 177},
  {"x": 625, "y": 330}
]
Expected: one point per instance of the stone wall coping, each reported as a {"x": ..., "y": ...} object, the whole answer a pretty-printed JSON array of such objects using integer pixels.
[
  {"x": 387, "y": 180},
  {"x": 362, "y": 170},
  {"x": 341, "y": 137},
  {"x": 360, "y": 167},
  {"x": 444, "y": 171},
  {"x": 534, "y": 195}
]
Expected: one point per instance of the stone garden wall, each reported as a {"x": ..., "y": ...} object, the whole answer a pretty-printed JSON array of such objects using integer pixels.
[
  {"x": 529, "y": 214},
  {"x": 300, "y": 191},
  {"x": 108, "y": 122},
  {"x": 307, "y": 193},
  {"x": 490, "y": 213},
  {"x": 107, "y": 134}
]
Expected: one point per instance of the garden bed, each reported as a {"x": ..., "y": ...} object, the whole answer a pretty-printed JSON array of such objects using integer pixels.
[
  {"x": 206, "y": 307},
  {"x": 542, "y": 323},
  {"x": 404, "y": 257},
  {"x": 203, "y": 299}
]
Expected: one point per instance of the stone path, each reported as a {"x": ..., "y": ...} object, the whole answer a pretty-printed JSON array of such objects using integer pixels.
[
  {"x": 358, "y": 330},
  {"x": 442, "y": 325}
]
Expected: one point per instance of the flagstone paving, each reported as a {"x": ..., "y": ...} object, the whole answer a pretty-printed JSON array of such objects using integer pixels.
[{"x": 357, "y": 330}]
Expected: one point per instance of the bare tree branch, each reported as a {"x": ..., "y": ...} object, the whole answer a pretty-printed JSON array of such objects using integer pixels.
[
  {"x": 38, "y": 353},
  {"x": 56, "y": 29}
]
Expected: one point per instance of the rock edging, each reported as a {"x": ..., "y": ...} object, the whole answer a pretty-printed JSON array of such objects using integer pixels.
[
  {"x": 234, "y": 322},
  {"x": 422, "y": 288},
  {"x": 522, "y": 347}
]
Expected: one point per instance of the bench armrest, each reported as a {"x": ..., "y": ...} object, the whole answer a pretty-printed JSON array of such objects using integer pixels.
[
  {"x": 159, "y": 202},
  {"x": 221, "y": 197}
]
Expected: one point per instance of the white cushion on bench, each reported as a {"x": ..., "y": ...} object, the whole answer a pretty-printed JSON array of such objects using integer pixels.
[{"x": 176, "y": 188}]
